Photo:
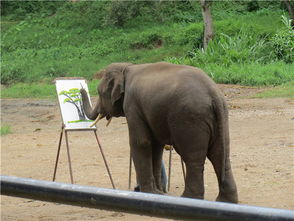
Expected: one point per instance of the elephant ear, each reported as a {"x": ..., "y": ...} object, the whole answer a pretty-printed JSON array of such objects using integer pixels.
[{"x": 118, "y": 86}]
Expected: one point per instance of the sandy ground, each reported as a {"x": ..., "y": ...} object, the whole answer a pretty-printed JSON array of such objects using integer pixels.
[{"x": 262, "y": 154}]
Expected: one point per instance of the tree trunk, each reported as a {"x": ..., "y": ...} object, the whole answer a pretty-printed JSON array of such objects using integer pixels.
[
  {"x": 207, "y": 18},
  {"x": 290, "y": 10}
]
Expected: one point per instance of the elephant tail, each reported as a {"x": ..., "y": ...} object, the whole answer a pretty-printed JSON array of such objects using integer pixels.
[{"x": 220, "y": 149}]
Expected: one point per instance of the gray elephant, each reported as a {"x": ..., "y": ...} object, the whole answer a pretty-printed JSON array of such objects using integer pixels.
[{"x": 169, "y": 104}]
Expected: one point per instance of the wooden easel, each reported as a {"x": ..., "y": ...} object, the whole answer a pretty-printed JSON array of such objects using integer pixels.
[{"x": 66, "y": 128}]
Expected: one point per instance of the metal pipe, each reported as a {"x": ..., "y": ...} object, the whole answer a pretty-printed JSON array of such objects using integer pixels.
[{"x": 138, "y": 203}]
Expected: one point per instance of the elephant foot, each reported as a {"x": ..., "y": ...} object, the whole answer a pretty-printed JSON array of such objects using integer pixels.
[
  {"x": 191, "y": 195},
  {"x": 228, "y": 198},
  {"x": 159, "y": 192},
  {"x": 154, "y": 191},
  {"x": 137, "y": 188}
]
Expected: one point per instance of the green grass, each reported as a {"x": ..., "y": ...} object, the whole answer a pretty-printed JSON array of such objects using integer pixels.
[
  {"x": 40, "y": 49},
  {"x": 5, "y": 130},
  {"x": 39, "y": 90},
  {"x": 25, "y": 90},
  {"x": 78, "y": 121},
  {"x": 249, "y": 48},
  {"x": 44, "y": 55},
  {"x": 285, "y": 91},
  {"x": 254, "y": 73},
  {"x": 47, "y": 91}
]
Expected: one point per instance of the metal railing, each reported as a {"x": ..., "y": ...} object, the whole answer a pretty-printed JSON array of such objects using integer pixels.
[{"x": 137, "y": 203}]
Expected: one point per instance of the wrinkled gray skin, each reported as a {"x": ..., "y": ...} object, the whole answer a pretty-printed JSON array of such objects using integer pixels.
[{"x": 169, "y": 104}]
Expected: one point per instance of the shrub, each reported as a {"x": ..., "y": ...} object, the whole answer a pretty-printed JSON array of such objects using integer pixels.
[
  {"x": 226, "y": 50},
  {"x": 283, "y": 42}
]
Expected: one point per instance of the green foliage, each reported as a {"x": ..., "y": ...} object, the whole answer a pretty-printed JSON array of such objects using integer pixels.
[
  {"x": 283, "y": 42},
  {"x": 23, "y": 9},
  {"x": 246, "y": 52},
  {"x": 226, "y": 50},
  {"x": 5, "y": 130},
  {"x": 60, "y": 39}
]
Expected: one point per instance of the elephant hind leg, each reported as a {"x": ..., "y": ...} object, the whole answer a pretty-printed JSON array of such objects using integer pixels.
[
  {"x": 157, "y": 151},
  {"x": 192, "y": 145},
  {"x": 226, "y": 182}
]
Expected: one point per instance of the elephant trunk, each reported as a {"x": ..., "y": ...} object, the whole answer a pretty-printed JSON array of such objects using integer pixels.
[{"x": 90, "y": 112}]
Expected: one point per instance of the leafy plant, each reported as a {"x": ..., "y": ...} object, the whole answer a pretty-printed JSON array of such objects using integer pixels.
[
  {"x": 283, "y": 42},
  {"x": 80, "y": 38}
]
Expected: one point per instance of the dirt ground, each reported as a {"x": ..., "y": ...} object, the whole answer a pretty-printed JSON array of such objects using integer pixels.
[{"x": 262, "y": 154}]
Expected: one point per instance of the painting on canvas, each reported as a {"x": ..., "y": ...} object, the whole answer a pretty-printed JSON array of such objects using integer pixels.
[{"x": 70, "y": 102}]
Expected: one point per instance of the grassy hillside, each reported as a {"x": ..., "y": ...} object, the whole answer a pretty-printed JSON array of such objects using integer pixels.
[{"x": 250, "y": 47}]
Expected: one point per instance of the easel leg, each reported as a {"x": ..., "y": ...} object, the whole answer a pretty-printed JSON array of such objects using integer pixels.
[
  {"x": 169, "y": 167},
  {"x": 68, "y": 156},
  {"x": 130, "y": 170},
  {"x": 105, "y": 162},
  {"x": 58, "y": 152}
]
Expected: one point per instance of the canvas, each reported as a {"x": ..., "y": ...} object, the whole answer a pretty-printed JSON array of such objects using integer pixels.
[{"x": 70, "y": 102}]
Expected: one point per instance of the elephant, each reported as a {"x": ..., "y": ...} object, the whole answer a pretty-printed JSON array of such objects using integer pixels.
[{"x": 169, "y": 104}]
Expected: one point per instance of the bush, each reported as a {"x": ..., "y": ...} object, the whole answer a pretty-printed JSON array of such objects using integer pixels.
[
  {"x": 16, "y": 10},
  {"x": 283, "y": 42},
  {"x": 226, "y": 50}
]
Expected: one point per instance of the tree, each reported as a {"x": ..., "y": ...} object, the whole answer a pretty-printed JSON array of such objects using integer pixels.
[
  {"x": 290, "y": 9},
  {"x": 207, "y": 19},
  {"x": 73, "y": 96}
]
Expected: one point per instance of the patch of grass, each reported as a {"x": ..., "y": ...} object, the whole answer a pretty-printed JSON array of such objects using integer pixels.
[
  {"x": 5, "y": 25},
  {"x": 5, "y": 130},
  {"x": 39, "y": 90},
  {"x": 34, "y": 90},
  {"x": 285, "y": 90},
  {"x": 250, "y": 47},
  {"x": 40, "y": 49},
  {"x": 249, "y": 74},
  {"x": 78, "y": 121},
  {"x": 253, "y": 73},
  {"x": 34, "y": 53}
]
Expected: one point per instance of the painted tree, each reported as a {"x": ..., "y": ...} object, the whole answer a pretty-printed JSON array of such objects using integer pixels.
[{"x": 73, "y": 96}]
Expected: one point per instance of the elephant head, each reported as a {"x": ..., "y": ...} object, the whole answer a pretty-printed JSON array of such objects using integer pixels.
[{"x": 111, "y": 94}]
